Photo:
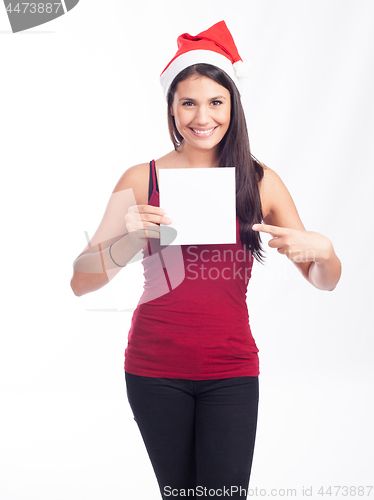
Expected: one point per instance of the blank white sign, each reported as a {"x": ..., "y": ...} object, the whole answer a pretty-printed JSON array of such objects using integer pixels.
[{"x": 201, "y": 202}]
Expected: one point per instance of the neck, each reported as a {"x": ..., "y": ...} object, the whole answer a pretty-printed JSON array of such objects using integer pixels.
[{"x": 197, "y": 158}]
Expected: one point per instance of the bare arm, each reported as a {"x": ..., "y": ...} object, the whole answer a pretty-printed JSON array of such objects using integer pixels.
[{"x": 94, "y": 268}]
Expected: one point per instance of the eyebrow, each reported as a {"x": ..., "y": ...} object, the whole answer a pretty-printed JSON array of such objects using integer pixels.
[{"x": 212, "y": 99}]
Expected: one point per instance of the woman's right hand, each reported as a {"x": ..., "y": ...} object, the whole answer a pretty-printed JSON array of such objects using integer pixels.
[{"x": 142, "y": 222}]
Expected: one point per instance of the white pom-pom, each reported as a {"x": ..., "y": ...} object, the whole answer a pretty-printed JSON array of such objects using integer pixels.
[{"x": 242, "y": 69}]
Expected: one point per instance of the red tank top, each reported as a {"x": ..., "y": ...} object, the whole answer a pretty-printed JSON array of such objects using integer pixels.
[{"x": 191, "y": 321}]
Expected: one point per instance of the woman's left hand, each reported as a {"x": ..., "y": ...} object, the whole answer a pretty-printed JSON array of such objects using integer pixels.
[{"x": 298, "y": 246}]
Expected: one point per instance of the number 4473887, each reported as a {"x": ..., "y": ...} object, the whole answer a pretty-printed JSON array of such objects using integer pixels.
[
  {"x": 345, "y": 491},
  {"x": 41, "y": 8}
]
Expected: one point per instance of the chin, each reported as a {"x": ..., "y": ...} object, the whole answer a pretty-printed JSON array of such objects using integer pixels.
[{"x": 206, "y": 146}]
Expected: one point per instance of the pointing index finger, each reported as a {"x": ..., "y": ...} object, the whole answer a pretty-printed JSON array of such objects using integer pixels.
[{"x": 267, "y": 228}]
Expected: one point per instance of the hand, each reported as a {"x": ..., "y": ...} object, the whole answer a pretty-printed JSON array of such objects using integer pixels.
[
  {"x": 298, "y": 246},
  {"x": 142, "y": 223}
]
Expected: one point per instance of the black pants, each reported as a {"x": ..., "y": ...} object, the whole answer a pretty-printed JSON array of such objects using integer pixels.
[{"x": 198, "y": 434}]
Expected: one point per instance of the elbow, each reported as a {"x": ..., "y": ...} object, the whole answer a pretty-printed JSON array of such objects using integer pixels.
[
  {"x": 82, "y": 283},
  {"x": 75, "y": 289},
  {"x": 329, "y": 289},
  {"x": 339, "y": 275},
  {"x": 333, "y": 288},
  {"x": 325, "y": 287}
]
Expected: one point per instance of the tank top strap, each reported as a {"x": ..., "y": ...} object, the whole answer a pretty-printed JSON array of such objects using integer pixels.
[
  {"x": 153, "y": 184},
  {"x": 155, "y": 175}
]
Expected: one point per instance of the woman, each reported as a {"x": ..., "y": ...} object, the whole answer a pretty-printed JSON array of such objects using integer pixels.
[{"x": 191, "y": 363}]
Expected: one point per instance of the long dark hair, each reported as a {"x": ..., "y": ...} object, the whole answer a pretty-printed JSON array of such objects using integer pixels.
[{"x": 234, "y": 150}]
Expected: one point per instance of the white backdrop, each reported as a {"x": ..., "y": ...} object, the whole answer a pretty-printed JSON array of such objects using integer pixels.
[{"x": 81, "y": 103}]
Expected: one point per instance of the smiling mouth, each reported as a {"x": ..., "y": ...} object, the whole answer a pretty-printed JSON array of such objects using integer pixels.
[{"x": 203, "y": 133}]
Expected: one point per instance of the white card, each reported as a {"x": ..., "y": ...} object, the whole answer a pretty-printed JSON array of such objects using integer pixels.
[{"x": 201, "y": 202}]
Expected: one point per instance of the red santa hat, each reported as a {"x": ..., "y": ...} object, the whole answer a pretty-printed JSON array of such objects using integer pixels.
[{"x": 214, "y": 46}]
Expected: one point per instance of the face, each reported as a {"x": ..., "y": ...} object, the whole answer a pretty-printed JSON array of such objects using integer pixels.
[{"x": 201, "y": 109}]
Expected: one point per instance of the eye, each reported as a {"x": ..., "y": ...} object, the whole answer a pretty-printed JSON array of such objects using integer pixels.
[
  {"x": 219, "y": 102},
  {"x": 187, "y": 102}
]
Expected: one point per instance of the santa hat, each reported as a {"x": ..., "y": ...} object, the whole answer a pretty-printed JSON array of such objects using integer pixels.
[{"x": 214, "y": 46}]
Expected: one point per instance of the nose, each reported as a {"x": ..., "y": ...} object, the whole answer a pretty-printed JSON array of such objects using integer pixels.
[{"x": 202, "y": 116}]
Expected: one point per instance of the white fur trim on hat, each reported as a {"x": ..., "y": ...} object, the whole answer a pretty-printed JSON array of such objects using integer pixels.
[
  {"x": 195, "y": 57},
  {"x": 243, "y": 69}
]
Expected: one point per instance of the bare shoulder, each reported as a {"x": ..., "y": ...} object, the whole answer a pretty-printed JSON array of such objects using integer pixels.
[
  {"x": 269, "y": 180},
  {"x": 137, "y": 179},
  {"x": 280, "y": 208}
]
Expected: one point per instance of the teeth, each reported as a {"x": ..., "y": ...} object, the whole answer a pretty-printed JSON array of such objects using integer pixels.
[{"x": 203, "y": 131}]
